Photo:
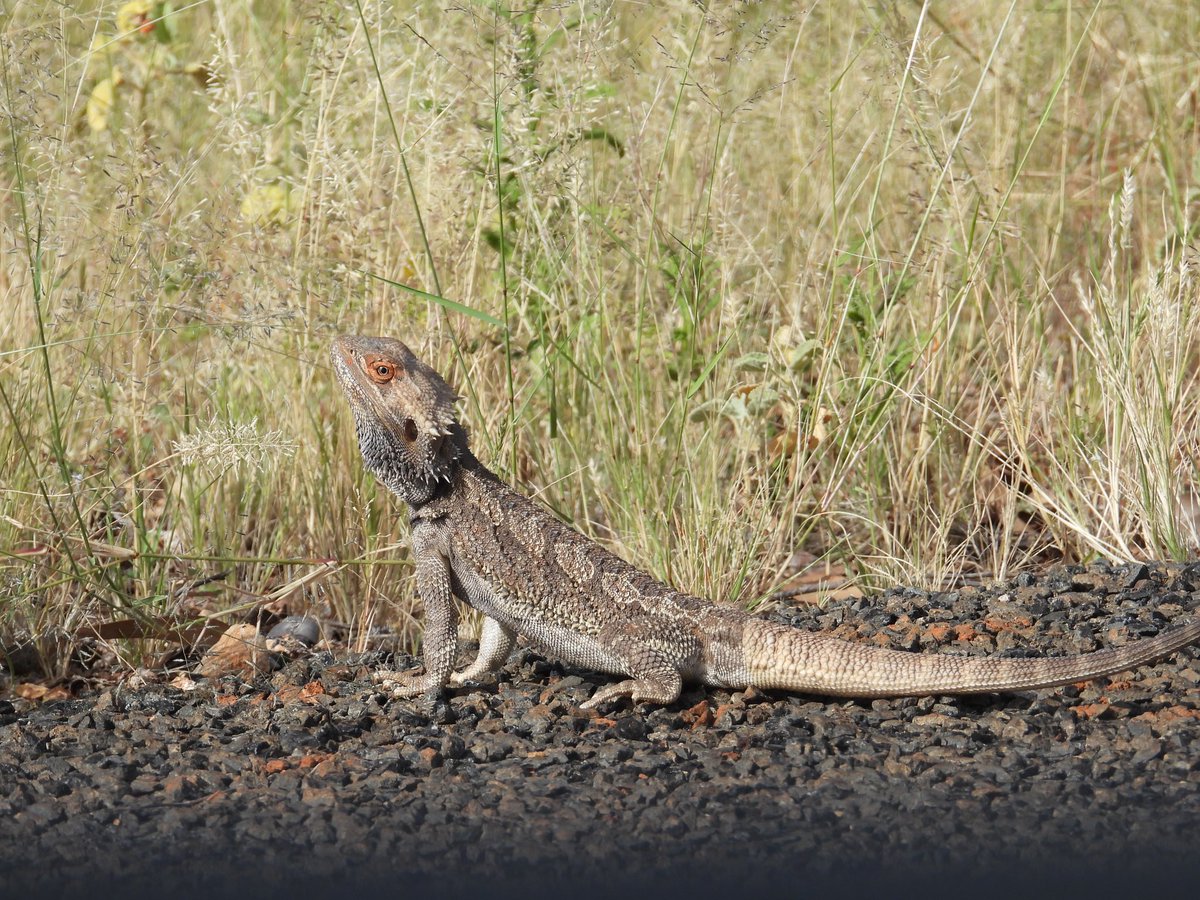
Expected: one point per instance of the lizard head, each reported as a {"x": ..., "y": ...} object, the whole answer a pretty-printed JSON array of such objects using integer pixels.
[{"x": 404, "y": 414}]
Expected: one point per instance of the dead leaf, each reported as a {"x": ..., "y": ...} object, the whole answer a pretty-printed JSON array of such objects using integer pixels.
[
  {"x": 312, "y": 689},
  {"x": 100, "y": 103},
  {"x": 241, "y": 650},
  {"x": 698, "y": 716},
  {"x": 99, "y": 548},
  {"x": 819, "y": 428},
  {"x": 40, "y": 693},
  {"x": 291, "y": 693},
  {"x": 845, "y": 593},
  {"x": 184, "y": 682},
  {"x": 781, "y": 445},
  {"x": 1091, "y": 710}
]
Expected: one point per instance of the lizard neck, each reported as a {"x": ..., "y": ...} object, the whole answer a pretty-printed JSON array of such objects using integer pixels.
[{"x": 416, "y": 478}]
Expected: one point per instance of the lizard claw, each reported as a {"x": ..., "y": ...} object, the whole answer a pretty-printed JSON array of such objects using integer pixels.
[
  {"x": 458, "y": 679},
  {"x": 403, "y": 684},
  {"x": 612, "y": 692},
  {"x": 660, "y": 690},
  {"x": 408, "y": 686}
]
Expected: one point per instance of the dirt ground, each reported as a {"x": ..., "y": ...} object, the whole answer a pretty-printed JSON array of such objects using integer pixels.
[{"x": 310, "y": 780}]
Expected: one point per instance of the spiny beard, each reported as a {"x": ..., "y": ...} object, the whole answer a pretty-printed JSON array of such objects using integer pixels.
[{"x": 412, "y": 472}]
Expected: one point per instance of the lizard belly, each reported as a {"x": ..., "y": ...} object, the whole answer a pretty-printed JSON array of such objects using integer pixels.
[{"x": 559, "y": 641}]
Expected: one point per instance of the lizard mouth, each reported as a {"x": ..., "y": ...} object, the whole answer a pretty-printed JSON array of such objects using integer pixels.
[
  {"x": 343, "y": 363},
  {"x": 345, "y": 366},
  {"x": 343, "y": 355}
]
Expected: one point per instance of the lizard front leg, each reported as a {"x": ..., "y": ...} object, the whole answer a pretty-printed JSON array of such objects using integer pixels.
[
  {"x": 495, "y": 644},
  {"x": 440, "y": 646}
]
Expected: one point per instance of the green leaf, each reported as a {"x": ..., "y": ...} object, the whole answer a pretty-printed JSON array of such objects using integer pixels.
[
  {"x": 603, "y": 134},
  {"x": 164, "y": 30},
  {"x": 491, "y": 237},
  {"x": 755, "y": 362},
  {"x": 451, "y": 305},
  {"x": 698, "y": 383}
]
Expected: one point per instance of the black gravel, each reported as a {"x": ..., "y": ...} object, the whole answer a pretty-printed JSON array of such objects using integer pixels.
[{"x": 312, "y": 781}]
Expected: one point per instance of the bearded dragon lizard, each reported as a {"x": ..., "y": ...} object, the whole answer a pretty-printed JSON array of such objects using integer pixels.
[{"x": 477, "y": 539}]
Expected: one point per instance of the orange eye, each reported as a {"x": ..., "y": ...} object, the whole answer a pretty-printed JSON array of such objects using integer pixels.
[{"x": 381, "y": 371}]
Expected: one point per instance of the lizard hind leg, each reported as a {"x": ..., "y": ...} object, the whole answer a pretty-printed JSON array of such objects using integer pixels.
[{"x": 661, "y": 687}]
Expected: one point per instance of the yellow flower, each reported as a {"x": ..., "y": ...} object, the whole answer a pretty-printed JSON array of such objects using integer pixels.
[
  {"x": 100, "y": 102},
  {"x": 136, "y": 16},
  {"x": 269, "y": 204}
]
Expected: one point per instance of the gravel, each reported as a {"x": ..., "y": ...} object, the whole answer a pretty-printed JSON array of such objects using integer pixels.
[{"x": 310, "y": 780}]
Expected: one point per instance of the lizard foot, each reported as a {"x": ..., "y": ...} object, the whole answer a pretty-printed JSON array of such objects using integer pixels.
[
  {"x": 404, "y": 684},
  {"x": 639, "y": 690},
  {"x": 469, "y": 676}
]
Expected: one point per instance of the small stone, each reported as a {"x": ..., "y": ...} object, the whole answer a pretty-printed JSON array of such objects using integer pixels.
[
  {"x": 1135, "y": 573},
  {"x": 540, "y": 719},
  {"x": 179, "y": 788},
  {"x": 303, "y": 628},
  {"x": 631, "y": 728},
  {"x": 1147, "y": 748}
]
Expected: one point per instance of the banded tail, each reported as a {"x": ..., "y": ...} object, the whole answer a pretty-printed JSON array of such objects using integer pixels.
[{"x": 779, "y": 656}]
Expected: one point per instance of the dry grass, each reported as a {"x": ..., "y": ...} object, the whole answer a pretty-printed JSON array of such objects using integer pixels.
[{"x": 914, "y": 294}]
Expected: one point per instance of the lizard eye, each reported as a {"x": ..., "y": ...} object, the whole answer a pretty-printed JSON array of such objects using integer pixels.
[{"x": 381, "y": 372}]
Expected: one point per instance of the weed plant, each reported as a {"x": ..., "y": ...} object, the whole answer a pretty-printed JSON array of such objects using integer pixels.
[{"x": 905, "y": 289}]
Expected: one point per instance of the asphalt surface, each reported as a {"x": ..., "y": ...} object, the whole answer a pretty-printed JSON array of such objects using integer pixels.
[{"x": 310, "y": 781}]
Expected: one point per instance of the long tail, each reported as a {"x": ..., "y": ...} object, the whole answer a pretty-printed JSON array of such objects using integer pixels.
[{"x": 778, "y": 656}]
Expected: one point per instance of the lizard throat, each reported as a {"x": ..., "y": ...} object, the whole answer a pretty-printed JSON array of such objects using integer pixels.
[{"x": 415, "y": 471}]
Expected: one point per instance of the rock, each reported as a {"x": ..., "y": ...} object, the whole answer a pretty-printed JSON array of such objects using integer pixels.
[{"x": 304, "y": 629}]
